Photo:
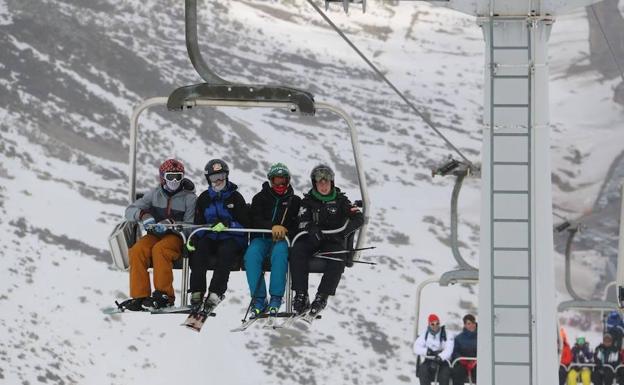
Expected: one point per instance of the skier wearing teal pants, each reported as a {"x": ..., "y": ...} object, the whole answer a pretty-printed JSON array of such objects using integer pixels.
[{"x": 275, "y": 207}]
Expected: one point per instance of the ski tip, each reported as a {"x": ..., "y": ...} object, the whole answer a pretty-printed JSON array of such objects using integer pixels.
[{"x": 193, "y": 328}]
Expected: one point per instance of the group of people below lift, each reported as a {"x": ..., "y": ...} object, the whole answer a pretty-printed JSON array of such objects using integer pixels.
[
  {"x": 579, "y": 364},
  {"x": 446, "y": 355},
  {"x": 221, "y": 207}
]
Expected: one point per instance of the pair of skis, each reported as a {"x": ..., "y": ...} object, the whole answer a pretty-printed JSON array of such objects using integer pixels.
[
  {"x": 271, "y": 320},
  {"x": 195, "y": 320}
]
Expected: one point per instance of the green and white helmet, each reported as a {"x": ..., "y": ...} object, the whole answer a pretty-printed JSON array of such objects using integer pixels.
[{"x": 278, "y": 169}]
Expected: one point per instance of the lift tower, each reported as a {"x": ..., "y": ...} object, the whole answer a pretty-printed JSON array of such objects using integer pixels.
[{"x": 517, "y": 309}]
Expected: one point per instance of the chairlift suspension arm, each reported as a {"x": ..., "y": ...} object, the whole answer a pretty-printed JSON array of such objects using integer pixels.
[
  {"x": 192, "y": 45},
  {"x": 568, "y": 274},
  {"x": 459, "y": 179}
]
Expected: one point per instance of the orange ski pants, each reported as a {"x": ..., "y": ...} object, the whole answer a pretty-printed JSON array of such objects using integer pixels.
[{"x": 159, "y": 252}]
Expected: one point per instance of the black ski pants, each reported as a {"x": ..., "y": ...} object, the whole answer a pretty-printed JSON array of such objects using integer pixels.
[
  {"x": 227, "y": 252},
  {"x": 431, "y": 370},
  {"x": 602, "y": 376},
  {"x": 460, "y": 375},
  {"x": 300, "y": 256}
]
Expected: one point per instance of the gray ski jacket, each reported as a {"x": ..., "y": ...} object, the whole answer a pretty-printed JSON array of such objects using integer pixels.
[{"x": 179, "y": 207}]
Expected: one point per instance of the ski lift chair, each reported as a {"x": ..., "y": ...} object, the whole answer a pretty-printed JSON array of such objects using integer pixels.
[
  {"x": 577, "y": 302},
  {"x": 466, "y": 273},
  {"x": 217, "y": 92}
]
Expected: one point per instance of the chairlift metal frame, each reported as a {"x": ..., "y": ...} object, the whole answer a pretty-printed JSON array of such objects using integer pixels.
[
  {"x": 466, "y": 273},
  {"x": 577, "y": 302},
  {"x": 218, "y": 92}
]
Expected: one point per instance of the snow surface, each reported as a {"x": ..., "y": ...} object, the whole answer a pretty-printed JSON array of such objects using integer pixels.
[{"x": 70, "y": 77}]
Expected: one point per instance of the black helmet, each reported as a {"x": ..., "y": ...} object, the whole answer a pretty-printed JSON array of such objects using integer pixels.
[
  {"x": 322, "y": 171},
  {"x": 216, "y": 166}
]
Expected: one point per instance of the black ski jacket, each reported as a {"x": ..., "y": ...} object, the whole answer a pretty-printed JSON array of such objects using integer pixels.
[
  {"x": 268, "y": 209},
  {"x": 330, "y": 215}
]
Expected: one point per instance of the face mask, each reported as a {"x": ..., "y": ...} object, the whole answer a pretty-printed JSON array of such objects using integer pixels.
[
  {"x": 172, "y": 185},
  {"x": 218, "y": 188},
  {"x": 280, "y": 189}
]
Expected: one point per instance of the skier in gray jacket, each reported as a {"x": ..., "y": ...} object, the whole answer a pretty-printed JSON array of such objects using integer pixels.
[{"x": 171, "y": 202}]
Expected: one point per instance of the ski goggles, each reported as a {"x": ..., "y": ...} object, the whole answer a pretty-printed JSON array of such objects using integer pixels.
[
  {"x": 217, "y": 177},
  {"x": 283, "y": 180},
  {"x": 171, "y": 176},
  {"x": 321, "y": 174}
]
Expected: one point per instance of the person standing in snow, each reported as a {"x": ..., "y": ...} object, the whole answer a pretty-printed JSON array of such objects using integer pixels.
[
  {"x": 221, "y": 207},
  {"x": 276, "y": 208},
  {"x": 465, "y": 345},
  {"x": 324, "y": 207},
  {"x": 172, "y": 201},
  {"x": 437, "y": 347}
]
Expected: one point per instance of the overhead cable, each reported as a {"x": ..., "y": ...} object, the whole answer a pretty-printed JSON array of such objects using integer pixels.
[
  {"x": 604, "y": 35},
  {"x": 385, "y": 79}
]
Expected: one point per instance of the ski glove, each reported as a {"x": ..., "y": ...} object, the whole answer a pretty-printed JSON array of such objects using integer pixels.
[
  {"x": 148, "y": 222},
  {"x": 219, "y": 227},
  {"x": 278, "y": 232},
  {"x": 160, "y": 227}
]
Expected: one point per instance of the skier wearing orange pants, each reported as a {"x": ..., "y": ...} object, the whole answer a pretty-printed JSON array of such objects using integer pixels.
[{"x": 171, "y": 202}]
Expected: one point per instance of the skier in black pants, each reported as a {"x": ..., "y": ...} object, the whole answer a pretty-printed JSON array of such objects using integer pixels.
[
  {"x": 221, "y": 207},
  {"x": 325, "y": 207}
]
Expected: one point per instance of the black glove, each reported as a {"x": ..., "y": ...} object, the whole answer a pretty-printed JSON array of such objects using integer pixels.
[
  {"x": 314, "y": 231},
  {"x": 438, "y": 358}
]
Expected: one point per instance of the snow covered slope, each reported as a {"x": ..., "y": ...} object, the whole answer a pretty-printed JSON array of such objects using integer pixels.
[{"x": 70, "y": 74}]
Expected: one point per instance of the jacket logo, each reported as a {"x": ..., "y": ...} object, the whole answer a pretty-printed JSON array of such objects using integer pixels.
[
  {"x": 302, "y": 211},
  {"x": 332, "y": 209},
  {"x": 230, "y": 205}
]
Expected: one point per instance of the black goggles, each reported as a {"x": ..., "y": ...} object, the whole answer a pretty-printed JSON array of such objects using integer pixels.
[
  {"x": 171, "y": 176},
  {"x": 321, "y": 174}
]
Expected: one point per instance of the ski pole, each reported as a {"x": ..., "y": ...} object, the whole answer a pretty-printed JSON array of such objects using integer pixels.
[
  {"x": 344, "y": 251},
  {"x": 341, "y": 260}
]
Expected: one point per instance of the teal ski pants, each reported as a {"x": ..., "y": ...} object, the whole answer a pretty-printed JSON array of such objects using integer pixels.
[{"x": 258, "y": 250}]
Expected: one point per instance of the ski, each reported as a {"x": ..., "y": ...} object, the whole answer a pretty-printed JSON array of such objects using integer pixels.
[
  {"x": 115, "y": 310},
  {"x": 270, "y": 322},
  {"x": 309, "y": 317},
  {"x": 245, "y": 325},
  {"x": 290, "y": 321},
  {"x": 173, "y": 310},
  {"x": 196, "y": 319},
  {"x": 119, "y": 309}
]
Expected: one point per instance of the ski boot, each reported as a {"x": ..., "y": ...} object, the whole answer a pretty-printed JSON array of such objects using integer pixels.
[
  {"x": 318, "y": 304},
  {"x": 212, "y": 300},
  {"x": 158, "y": 300},
  {"x": 274, "y": 305},
  {"x": 258, "y": 307},
  {"x": 301, "y": 302},
  {"x": 132, "y": 304},
  {"x": 197, "y": 298}
]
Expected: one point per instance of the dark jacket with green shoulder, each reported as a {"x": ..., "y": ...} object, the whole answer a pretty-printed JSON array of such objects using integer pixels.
[
  {"x": 268, "y": 209},
  {"x": 330, "y": 215}
]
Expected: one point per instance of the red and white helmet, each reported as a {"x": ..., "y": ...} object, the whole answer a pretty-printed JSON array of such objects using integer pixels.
[{"x": 170, "y": 165}]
